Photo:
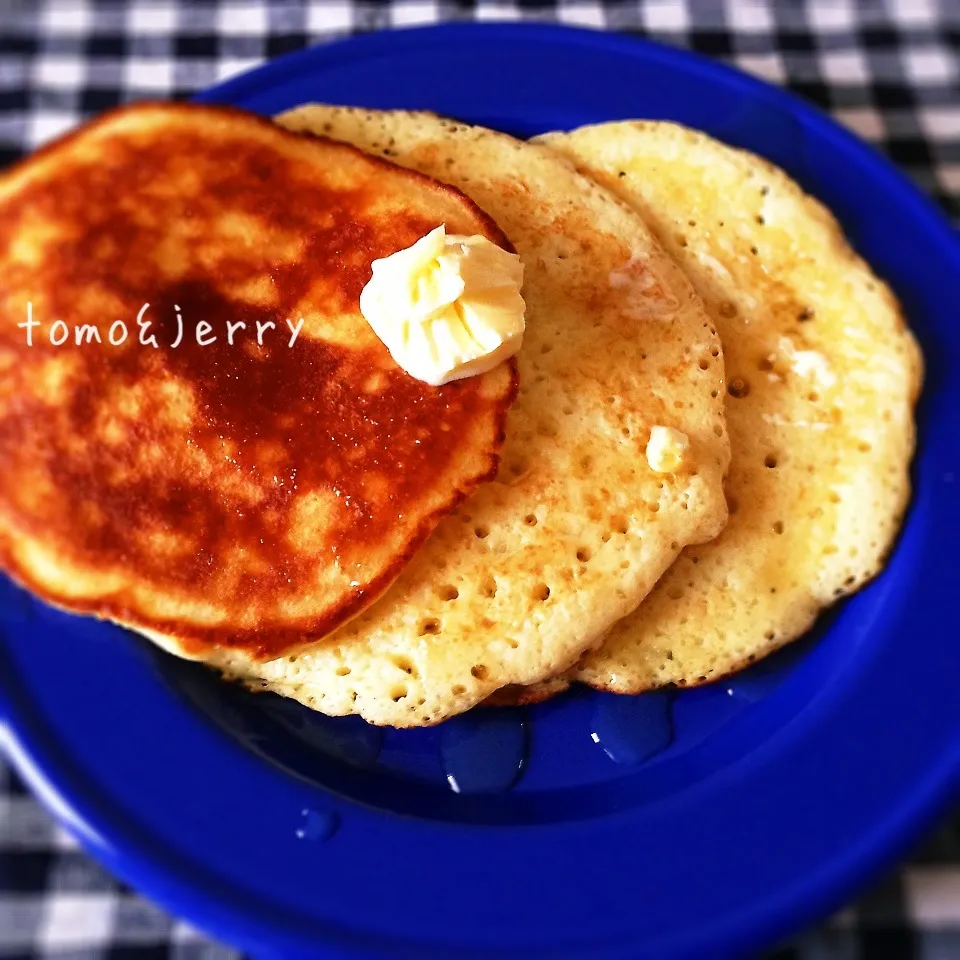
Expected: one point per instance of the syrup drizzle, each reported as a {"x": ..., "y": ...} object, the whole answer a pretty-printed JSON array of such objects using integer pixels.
[
  {"x": 631, "y": 730},
  {"x": 16, "y": 605},
  {"x": 484, "y": 752},
  {"x": 317, "y": 824}
]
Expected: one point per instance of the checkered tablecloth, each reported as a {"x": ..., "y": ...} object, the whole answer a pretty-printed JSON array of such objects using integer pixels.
[{"x": 890, "y": 70}]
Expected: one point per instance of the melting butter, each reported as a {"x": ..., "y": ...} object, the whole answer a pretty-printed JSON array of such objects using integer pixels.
[
  {"x": 667, "y": 450},
  {"x": 807, "y": 363},
  {"x": 447, "y": 307}
]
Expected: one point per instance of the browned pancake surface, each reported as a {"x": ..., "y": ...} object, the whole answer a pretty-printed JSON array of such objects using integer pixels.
[{"x": 242, "y": 495}]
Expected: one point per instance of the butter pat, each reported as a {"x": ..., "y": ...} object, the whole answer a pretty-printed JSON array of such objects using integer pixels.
[
  {"x": 668, "y": 450},
  {"x": 447, "y": 307}
]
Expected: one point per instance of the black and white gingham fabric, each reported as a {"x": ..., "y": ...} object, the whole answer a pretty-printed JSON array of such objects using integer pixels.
[{"x": 889, "y": 69}]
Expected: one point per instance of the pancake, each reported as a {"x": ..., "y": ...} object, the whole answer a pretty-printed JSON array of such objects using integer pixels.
[
  {"x": 534, "y": 568},
  {"x": 822, "y": 379},
  {"x": 516, "y": 695},
  {"x": 245, "y": 496}
]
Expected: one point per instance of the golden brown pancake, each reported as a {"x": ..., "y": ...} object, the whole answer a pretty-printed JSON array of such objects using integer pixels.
[
  {"x": 242, "y": 495},
  {"x": 517, "y": 695}
]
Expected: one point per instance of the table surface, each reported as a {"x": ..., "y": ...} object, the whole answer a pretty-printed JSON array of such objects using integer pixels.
[{"x": 890, "y": 70}]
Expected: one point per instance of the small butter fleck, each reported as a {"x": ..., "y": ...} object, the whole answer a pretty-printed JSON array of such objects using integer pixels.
[
  {"x": 447, "y": 307},
  {"x": 644, "y": 298},
  {"x": 667, "y": 449},
  {"x": 807, "y": 363}
]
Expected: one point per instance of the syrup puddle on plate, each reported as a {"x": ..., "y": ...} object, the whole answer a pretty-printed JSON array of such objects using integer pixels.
[
  {"x": 485, "y": 752},
  {"x": 317, "y": 825},
  {"x": 348, "y": 739},
  {"x": 632, "y": 729},
  {"x": 16, "y": 605}
]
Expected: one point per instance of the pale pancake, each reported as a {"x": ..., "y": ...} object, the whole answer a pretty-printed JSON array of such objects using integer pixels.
[
  {"x": 220, "y": 495},
  {"x": 823, "y": 376},
  {"x": 536, "y": 567}
]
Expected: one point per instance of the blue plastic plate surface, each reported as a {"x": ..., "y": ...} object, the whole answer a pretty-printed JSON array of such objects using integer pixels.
[{"x": 699, "y": 824}]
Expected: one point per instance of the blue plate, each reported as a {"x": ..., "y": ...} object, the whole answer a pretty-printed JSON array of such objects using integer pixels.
[{"x": 700, "y": 824}]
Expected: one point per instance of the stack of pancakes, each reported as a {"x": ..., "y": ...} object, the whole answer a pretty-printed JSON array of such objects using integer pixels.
[{"x": 310, "y": 520}]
